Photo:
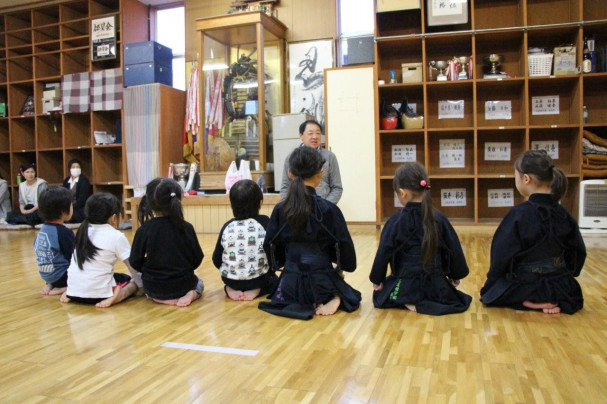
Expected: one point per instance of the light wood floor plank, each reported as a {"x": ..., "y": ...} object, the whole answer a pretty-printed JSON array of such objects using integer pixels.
[{"x": 56, "y": 353}]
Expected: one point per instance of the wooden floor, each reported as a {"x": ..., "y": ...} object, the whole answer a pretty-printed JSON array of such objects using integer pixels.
[{"x": 56, "y": 353}]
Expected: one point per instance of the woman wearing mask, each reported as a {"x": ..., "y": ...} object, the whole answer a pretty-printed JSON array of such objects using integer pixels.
[{"x": 80, "y": 187}]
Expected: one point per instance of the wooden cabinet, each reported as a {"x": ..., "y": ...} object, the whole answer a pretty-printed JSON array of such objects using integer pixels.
[
  {"x": 37, "y": 47},
  {"x": 508, "y": 28}
]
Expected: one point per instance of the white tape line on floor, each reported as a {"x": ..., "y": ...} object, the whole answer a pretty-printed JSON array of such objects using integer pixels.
[{"x": 207, "y": 348}]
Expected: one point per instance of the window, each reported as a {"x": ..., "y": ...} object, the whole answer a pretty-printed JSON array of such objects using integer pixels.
[
  {"x": 356, "y": 19},
  {"x": 170, "y": 31}
]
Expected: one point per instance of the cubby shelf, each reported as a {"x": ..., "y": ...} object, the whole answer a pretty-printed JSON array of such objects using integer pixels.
[
  {"x": 38, "y": 46},
  {"x": 403, "y": 37}
]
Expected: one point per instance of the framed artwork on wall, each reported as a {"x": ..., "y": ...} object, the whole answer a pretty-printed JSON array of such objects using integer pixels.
[{"x": 307, "y": 61}]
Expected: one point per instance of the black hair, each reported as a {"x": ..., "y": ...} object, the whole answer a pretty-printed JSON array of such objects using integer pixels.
[
  {"x": 54, "y": 202},
  {"x": 414, "y": 178},
  {"x": 304, "y": 163},
  {"x": 162, "y": 198},
  {"x": 97, "y": 210},
  {"x": 27, "y": 166},
  {"x": 245, "y": 198},
  {"x": 72, "y": 161},
  {"x": 539, "y": 164},
  {"x": 302, "y": 127}
]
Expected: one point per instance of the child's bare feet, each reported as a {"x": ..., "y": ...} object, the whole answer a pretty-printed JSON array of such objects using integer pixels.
[
  {"x": 110, "y": 300},
  {"x": 328, "y": 308},
  {"x": 46, "y": 289},
  {"x": 233, "y": 293},
  {"x": 187, "y": 299},
  {"x": 411, "y": 307},
  {"x": 548, "y": 308},
  {"x": 64, "y": 298},
  {"x": 251, "y": 294},
  {"x": 57, "y": 291},
  {"x": 170, "y": 302}
]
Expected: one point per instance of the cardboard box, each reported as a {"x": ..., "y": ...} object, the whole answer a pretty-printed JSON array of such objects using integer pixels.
[
  {"x": 396, "y": 5},
  {"x": 147, "y": 52},
  {"x": 412, "y": 72},
  {"x": 147, "y": 73},
  {"x": 51, "y": 104}
]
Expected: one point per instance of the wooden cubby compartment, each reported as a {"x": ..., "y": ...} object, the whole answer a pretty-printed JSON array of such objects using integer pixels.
[
  {"x": 493, "y": 90},
  {"x": 401, "y": 137},
  {"x": 571, "y": 200},
  {"x": 5, "y": 166},
  {"x": 449, "y": 91},
  {"x": 501, "y": 168},
  {"x": 397, "y": 93},
  {"x": 567, "y": 90},
  {"x": 4, "y": 136},
  {"x": 74, "y": 10},
  {"x": 17, "y": 94},
  {"x": 23, "y": 134},
  {"x": 47, "y": 137},
  {"x": 510, "y": 14},
  {"x": 509, "y": 44},
  {"x": 434, "y": 152},
  {"x": 107, "y": 121},
  {"x": 77, "y": 130},
  {"x": 46, "y": 34},
  {"x": 45, "y": 16},
  {"x": 594, "y": 98},
  {"x": 102, "y": 7},
  {"x": 50, "y": 166},
  {"x": 549, "y": 38},
  {"x": 448, "y": 47},
  {"x": 19, "y": 158},
  {"x": 19, "y": 42},
  {"x": 540, "y": 12},
  {"x": 568, "y": 146},
  {"x": 392, "y": 54},
  {"x": 106, "y": 170},
  {"x": 75, "y": 61},
  {"x": 454, "y": 213},
  {"x": 3, "y": 72},
  {"x": 47, "y": 65},
  {"x": 495, "y": 214},
  {"x": 396, "y": 23},
  {"x": 18, "y": 20},
  {"x": 594, "y": 10},
  {"x": 20, "y": 69},
  {"x": 74, "y": 29}
]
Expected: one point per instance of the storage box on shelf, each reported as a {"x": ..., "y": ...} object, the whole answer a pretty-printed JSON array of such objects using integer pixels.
[{"x": 404, "y": 37}]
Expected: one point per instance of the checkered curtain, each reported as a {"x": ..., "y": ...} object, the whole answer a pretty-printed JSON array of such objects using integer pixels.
[
  {"x": 97, "y": 91},
  {"x": 75, "y": 92}
]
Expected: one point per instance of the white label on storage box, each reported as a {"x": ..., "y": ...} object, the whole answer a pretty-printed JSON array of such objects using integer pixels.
[
  {"x": 453, "y": 197},
  {"x": 499, "y": 198},
  {"x": 452, "y": 153},
  {"x": 447, "y": 7},
  {"x": 498, "y": 110},
  {"x": 551, "y": 147},
  {"x": 547, "y": 105},
  {"x": 451, "y": 109},
  {"x": 402, "y": 153},
  {"x": 498, "y": 151}
]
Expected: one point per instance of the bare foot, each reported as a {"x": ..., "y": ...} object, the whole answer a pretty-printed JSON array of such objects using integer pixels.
[
  {"x": 187, "y": 299},
  {"x": 64, "y": 298},
  {"x": 554, "y": 310},
  {"x": 46, "y": 289},
  {"x": 234, "y": 294},
  {"x": 411, "y": 307},
  {"x": 329, "y": 308},
  {"x": 110, "y": 300},
  {"x": 539, "y": 306},
  {"x": 251, "y": 294},
  {"x": 170, "y": 302},
  {"x": 57, "y": 291}
]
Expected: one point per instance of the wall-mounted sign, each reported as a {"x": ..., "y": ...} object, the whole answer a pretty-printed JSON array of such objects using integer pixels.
[{"x": 103, "y": 38}]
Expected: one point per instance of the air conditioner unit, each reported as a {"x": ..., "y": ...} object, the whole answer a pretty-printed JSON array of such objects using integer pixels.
[{"x": 593, "y": 204}]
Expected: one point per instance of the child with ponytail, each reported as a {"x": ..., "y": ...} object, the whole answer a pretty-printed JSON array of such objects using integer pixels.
[
  {"x": 306, "y": 235},
  {"x": 165, "y": 248},
  {"x": 537, "y": 250},
  {"x": 97, "y": 247},
  {"x": 423, "y": 250}
]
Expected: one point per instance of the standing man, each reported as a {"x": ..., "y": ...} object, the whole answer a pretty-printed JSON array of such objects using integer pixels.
[{"x": 330, "y": 185}]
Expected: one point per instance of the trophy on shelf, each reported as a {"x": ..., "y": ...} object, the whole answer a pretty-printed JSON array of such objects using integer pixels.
[
  {"x": 181, "y": 172},
  {"x": 440, "y": 65},
  {"x": 463, "y": 72},
  {"x": 493, "y": 61}
]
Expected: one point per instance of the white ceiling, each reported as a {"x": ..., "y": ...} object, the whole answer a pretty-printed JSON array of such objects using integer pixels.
[{"x": 20, "y": 3}]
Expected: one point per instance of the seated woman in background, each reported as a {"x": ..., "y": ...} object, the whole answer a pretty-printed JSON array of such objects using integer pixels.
[
  {"x": 80, "y": 187},
  {"x": 29, "y": 191},
  {"x": 5, "y": 200}
]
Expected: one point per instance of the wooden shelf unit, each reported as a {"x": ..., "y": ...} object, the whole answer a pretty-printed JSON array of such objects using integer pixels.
[
  {"x": 38, "y": 46},
  {"x": 509, "y": 28}
]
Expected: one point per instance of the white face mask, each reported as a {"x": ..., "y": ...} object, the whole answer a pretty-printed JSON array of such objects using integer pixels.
[{"x": 75, "y": 172}]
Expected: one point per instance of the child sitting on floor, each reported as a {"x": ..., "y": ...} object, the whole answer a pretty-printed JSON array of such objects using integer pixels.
[
  {"x": 98, "y": 245},
  {"x": 54, "y": 243},
  {"x": 239, "y": 253}
]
